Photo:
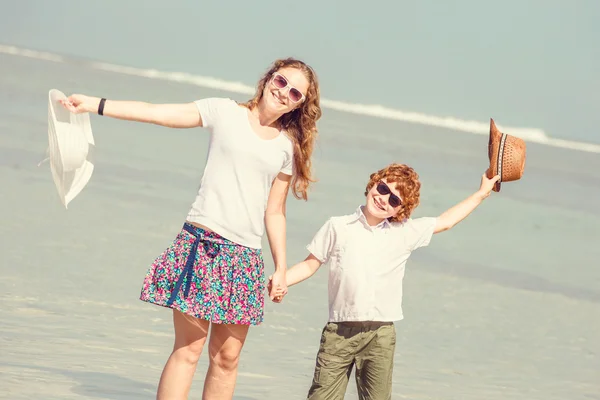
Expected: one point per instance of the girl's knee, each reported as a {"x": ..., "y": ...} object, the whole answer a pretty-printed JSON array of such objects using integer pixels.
[
  {"x": 225, "y": 357},
  {"x": 189, "y": 352},
  {"x": 190, "y": 336},
  {"x": 226, "y": 344}
]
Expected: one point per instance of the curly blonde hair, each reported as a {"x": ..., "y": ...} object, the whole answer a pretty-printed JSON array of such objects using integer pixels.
[
  {"x": 300, "y": 123},
  {"x": 407, "y": 183}
]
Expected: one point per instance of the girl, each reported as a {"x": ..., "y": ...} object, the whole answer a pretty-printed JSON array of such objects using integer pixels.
[{"x": 213, "y": 272}]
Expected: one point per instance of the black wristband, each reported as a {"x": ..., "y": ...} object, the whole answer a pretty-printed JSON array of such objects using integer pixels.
[{"x": 101, "y": 106}]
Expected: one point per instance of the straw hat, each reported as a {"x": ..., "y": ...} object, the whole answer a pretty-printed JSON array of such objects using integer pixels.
[
  {"x": 70, "y": 148},
  {"x": 507, "y": 156}
]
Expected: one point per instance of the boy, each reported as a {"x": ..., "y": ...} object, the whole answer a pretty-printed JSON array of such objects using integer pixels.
[{"x": 367, "y": 253}]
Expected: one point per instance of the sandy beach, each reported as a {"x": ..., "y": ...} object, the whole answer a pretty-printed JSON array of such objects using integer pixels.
[{"x": 505, "y": 306}]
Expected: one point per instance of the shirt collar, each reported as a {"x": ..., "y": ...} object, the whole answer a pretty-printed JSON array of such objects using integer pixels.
[{"x": 359, "y": 215}]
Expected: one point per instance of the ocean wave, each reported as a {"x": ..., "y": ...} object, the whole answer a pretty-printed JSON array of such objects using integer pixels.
[{"x": 372, "y": 110}]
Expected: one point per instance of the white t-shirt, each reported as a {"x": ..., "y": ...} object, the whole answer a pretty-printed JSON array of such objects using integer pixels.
[
  {"x": 239, "y": 173},
  {"x": 367, "y": 263}
]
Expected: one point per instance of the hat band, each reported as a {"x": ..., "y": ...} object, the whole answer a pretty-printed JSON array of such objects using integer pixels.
[{"x": 500, "y": 154}]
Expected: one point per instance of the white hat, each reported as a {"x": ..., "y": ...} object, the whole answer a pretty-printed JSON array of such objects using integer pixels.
[{"x": 70, "y": 148}]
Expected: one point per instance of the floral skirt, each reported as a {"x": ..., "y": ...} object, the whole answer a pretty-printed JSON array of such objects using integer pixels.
[{"x": 204, "y": 275}]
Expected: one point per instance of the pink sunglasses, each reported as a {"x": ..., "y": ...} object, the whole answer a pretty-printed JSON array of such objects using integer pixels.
[{"x": 281, "y": 83}]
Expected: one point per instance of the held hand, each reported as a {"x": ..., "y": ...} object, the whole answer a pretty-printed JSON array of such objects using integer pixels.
[
  {"x": 275, "y": 295},
  {"x": 487, "y": 185},
  {"x": 277, "y": 286},
  {"x": 270, "y": 284},
  {"x": 78, "y": 104}
]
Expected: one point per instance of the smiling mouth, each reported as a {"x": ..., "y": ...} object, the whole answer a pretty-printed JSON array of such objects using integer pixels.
[
  {"x": 379, "y": 205},
  {"x": 277, "y": 98}
]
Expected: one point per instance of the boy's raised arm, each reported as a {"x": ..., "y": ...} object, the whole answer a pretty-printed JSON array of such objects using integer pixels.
[{"x": 454, "y": 215}]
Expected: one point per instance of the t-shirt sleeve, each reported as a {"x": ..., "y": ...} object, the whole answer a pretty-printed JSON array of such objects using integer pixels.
[
  {"x": 288, "y": 164},
  {"x": 211, "y": 109},
  {"x": 323, "y": 242},
  {"x": 422, "y": 231}
]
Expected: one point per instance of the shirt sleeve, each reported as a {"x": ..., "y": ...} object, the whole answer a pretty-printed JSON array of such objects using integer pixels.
[
  {"x": 288, "y": 165},
  {"x": 422, "y": 229},
  {"x": 210, "y": 109},
  {"x": 323, "y": 242}
]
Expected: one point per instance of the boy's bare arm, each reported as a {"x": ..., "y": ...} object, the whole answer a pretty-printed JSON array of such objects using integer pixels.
[
  {"x": 454, "y": 215},
  {"x": 296, "y": 274},
  {"x": 303, "y": 270}
]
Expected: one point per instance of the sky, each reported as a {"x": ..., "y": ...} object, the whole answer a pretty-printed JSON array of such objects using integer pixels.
[{"x": 525, "y": 63}]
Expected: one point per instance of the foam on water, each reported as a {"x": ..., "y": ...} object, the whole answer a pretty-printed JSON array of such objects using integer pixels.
[{"x": 534, "y": 135}]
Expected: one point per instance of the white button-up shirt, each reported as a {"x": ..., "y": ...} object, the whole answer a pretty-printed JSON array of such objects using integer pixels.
[{"x": 366, "y": 264}]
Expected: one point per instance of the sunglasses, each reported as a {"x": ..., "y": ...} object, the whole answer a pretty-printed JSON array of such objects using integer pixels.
[
  {"x": 281, "y": 83},
  {"x": 384, "y": 190}
]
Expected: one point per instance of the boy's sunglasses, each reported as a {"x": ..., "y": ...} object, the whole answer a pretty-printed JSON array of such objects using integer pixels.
[
  {"x": 384, "y": 189},
  {"x": 281, "y": 83}
]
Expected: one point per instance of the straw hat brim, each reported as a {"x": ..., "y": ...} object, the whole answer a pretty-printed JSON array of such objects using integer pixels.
[{"x": 507, "y": 155}]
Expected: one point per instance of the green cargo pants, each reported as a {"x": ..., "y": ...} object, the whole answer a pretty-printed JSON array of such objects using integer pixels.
[{"x": 367, "y": 345}]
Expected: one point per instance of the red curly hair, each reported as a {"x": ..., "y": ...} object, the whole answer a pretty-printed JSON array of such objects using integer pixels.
[{"x": 407, "y": 183}]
